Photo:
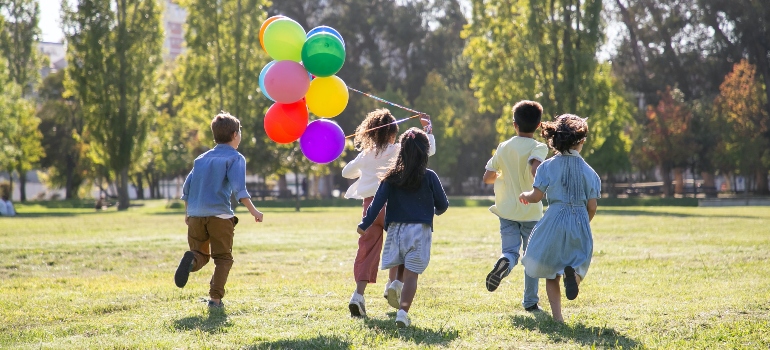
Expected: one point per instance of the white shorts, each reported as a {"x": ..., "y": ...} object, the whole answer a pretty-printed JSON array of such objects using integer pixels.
[{"x": 407, "y": 244}]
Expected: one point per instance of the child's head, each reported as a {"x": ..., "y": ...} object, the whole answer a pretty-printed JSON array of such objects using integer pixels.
[
  {"x": 527, "y": 115},
  {"x": 409, "y": 167},
  {"x": 225, "y": 127},
  {"x": 565, "y": 132},
  {"x": 377, "y": 139}
]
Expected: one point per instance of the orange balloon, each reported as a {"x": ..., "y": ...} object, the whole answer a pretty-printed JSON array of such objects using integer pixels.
[{"x": 264, "y": 26}]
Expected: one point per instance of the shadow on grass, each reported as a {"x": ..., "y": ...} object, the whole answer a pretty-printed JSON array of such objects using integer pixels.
[
  {"x": 415, "y": 334},
  {"x": 577, "y": 332},
  {"x": 319, "y": 342},
  {"x": 216, "y": 322},
  {"x": 676, "y": 215}
]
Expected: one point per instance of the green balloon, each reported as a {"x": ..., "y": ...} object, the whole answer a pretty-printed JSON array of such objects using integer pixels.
[
  {"x": 323, "y": 54},
  {"x": 284, "y": 39}
]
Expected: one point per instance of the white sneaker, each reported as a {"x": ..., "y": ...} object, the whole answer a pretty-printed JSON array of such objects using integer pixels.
[
  {"x": 385, "y": 293},
  {"x": 402, "y": 319},
  {"x": 357, "y": 305},
  {"x": 394, "y": 294}
]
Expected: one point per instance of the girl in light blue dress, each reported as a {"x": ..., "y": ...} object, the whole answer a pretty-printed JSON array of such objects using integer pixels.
[{"x": 561, "y": 243}]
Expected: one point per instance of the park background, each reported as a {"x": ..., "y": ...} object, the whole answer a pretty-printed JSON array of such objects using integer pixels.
[{"x": 676, "y": 92}]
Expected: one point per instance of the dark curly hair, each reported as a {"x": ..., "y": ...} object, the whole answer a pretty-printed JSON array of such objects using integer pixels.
[
  {"x": 377, "y": 139},
  {"x": 565, "y": 132},
  {"x": 409, "y": 167}
]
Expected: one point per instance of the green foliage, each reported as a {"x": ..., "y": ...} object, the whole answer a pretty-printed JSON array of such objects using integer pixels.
[
  {"x": 17, "y": 42},
  {"x": 66, "y": 161},
  {"x": 113, "y": 53}
]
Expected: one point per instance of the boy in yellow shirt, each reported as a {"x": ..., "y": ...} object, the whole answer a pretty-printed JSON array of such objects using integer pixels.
[{"x": 512, "y": 170}]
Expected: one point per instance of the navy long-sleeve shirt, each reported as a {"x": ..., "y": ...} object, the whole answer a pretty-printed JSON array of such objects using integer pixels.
[{"x": 404, "y": 206}]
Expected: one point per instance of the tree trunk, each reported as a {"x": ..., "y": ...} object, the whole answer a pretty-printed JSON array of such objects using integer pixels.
[
  {"x": 709, "y": 185},
  {"x": 761, "y": 179},
  {"x": 69, "y": 191},
  {"x": 139, "y": 187},
  {"x": 123, "y": 200},
  {"x": 296, "y": 189},
  {"x": 23, "y": 186},
  {"x": 283, "y": 186},
  {"x": 679, "y": 180}
]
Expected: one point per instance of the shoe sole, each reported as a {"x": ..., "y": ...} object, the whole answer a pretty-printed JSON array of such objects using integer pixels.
[
  {"x": 570, "y": 283},
  {"x": 401, "y": 324},
  {"x": 355, "y": 311},
  {"x": 393, "y": 298},
  {"x": 183, "y": 271},
  {"x": 496, "y": 275}
]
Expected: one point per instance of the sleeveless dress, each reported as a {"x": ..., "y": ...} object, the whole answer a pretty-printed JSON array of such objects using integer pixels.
[{"x": 563, "y": 236}]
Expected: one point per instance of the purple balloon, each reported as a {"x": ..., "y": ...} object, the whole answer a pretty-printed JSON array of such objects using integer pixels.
[
  {"x": 286, "y": 81},
  {"x": 323, "y": 141}
]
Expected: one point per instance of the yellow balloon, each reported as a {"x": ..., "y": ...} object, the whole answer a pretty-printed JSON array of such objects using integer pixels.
[{"x": 327, "y": 97}]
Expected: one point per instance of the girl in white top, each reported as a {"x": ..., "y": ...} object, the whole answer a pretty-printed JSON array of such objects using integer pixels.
[{"x": 378, "y": 149}]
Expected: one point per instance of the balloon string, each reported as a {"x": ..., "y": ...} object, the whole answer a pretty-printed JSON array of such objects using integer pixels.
[
  {"x": 382, "y": 126},
  {"x": 386, "y": 101}
]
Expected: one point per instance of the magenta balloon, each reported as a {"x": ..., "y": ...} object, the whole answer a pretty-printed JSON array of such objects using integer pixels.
[
  {"x": 287, "y": 81},
  {"x": 323, "y": 141}
]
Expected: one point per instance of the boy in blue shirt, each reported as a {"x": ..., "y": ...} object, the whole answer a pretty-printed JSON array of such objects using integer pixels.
[{"x": 210, "y": 220}]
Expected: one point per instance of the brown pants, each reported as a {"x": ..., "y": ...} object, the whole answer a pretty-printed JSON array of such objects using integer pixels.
[
  {"x": 367, "y": 262},
  {"x": 212, "y": 237}
]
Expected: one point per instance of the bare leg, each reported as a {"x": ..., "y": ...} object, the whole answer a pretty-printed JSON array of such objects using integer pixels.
[
  {"x": 393, "y": 274},
  {"x": 400, "y": 272},
  {"x": 361, "y": 286},
  {"x": 410, "y": 288},
  {"x": 553, "y": 290}
]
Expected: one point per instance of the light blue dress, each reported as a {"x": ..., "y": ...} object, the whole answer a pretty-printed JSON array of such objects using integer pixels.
[{"x": 563, "y": 236}]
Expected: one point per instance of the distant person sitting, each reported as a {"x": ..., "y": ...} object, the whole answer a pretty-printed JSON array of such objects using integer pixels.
[
  {"x": 101, "y": 203},
  {"x": 6, "y": 207}
]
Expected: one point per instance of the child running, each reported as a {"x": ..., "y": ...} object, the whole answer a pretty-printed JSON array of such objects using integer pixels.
[
  {"x": 512, "y": 170},
  {"x": 378, "y": 149},
  {"x": 210, "y": 219},
  {"x": 413, "y": 194},
  {"x": 561, "y": 243}
]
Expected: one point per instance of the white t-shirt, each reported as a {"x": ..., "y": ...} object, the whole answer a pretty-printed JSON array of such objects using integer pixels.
[{"x": 368, "y": 167}]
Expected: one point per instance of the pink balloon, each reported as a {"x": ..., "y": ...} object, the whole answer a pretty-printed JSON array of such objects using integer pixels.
[{"x": 287, "y": 81}]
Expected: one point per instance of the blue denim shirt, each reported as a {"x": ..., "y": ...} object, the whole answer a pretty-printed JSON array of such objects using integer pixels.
[{"x": 215, "y": 175}]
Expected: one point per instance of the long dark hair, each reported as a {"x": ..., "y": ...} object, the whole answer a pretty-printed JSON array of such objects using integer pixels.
[
  {"x": 378, "y": 139},
  {"x": 409, "y": 167},
  {"x": 565, "y": 132}
]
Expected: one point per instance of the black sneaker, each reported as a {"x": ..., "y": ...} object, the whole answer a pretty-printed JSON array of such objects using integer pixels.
[
  {"x": 533, "y": 308},
  {"x": 183, "y": 271},
  {"x": 570, "y": 283},
  {"x": 496, "y": 275}
]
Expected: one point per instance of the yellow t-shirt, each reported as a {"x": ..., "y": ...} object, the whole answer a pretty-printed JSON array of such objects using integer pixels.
[{"x": 511, "y": 162}]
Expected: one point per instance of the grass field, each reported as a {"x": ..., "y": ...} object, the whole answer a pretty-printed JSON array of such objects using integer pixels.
[{"x": 661, "y": 277}]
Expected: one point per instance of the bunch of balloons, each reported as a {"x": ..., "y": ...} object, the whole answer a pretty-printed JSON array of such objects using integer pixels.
[{"x": 300, "y": 79}]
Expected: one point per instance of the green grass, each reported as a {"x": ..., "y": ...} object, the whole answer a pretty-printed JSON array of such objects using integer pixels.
[{"x": 661, "y": 277}]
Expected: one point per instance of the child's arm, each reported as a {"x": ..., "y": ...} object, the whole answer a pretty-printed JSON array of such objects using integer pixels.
[
  {"x": 380, "y": 198},
  {"x": 533, "y": 196},
  {"x": 591, "y": 206},
  {"x": 427, "y": 126},
  {"x": 489, "y": 177},
  {"x": 534, "y": 163},
  {"x": 440, "y": 201},
  {"x": 258, "y": 216},
  {"x": 352, "y": 170}
]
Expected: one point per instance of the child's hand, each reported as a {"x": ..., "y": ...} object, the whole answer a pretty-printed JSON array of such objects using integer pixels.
[
  {"x": 523, "y": 198},
  {"x": 426, "y": 124},
  {"x": 360, "y": 231},
  {"x": 257, "y": 215},
  {"x": 186, "y": 220}
]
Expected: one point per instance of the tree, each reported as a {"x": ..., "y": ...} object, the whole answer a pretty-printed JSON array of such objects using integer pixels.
[
  {"x": 667, "y": 139},
  {"x": 113, "y": 51},
  {"x": 64, "y": 141},
  {"x": 17, "y": 42},
  {"x": 740, "y": 105},
  {"x": 220, "y": 70}
]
